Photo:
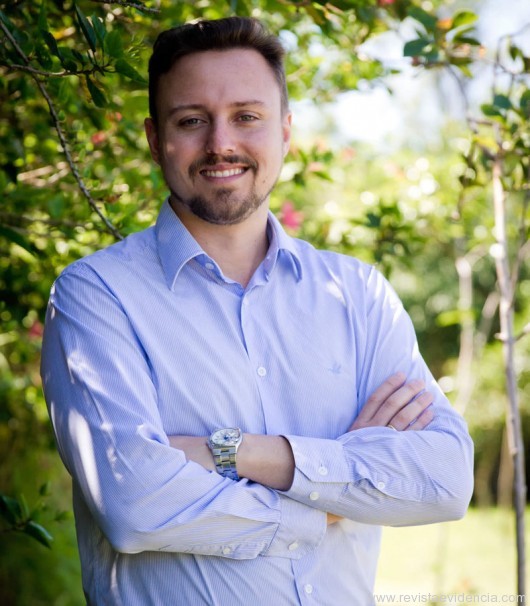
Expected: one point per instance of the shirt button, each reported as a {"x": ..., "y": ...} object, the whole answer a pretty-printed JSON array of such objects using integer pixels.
[
  {"x": 323, "y": 471},
  {"x": 209, "y": 265},
  {"x": 308, "y": 588},
  {"x": 380, "y": 485},
  {"x": 246, "y": 301},
  {"x": 314, "y": 496},
  {"x": 262, "y": 371},
  {"x": 293, "y": 546},
  {"x": 227, "y": 550}
]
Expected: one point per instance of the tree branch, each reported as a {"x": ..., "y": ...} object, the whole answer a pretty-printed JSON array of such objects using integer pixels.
[
  {"x": 126, "y": 3},
  {"x": 524, "y": 332},
  {"x": 44, "y": 74},
  {"x": 62, "y": 137}
]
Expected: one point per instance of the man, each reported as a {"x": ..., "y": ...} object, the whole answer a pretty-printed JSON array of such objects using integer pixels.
[{"x": 239, "y": 412}]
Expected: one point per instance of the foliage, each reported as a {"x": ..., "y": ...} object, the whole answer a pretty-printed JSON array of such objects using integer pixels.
[
  {"x": 19, "y": 518},
  {"x": 75, "y": 175}
]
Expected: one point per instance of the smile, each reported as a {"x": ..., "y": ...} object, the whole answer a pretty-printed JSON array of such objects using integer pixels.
[{"x": 232, "y": 172}]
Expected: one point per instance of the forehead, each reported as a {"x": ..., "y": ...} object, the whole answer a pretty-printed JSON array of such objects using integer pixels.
[{"x": 212, "y": 78}]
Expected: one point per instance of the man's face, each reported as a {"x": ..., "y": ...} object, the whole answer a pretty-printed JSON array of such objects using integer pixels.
[{"x": 221, "y": 135}]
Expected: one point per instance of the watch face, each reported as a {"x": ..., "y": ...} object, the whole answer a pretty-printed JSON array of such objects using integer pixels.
[{"x": 226, "y": 437}]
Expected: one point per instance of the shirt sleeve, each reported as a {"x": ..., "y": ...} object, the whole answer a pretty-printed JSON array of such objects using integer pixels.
[
  {"x": 144, "y": 494},
  {"x": 377, "y": 475}
]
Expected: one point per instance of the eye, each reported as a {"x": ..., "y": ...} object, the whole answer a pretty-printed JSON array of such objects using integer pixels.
[
  {"x": 247, "y": 118},
  {"x": 190, "y": 122}
]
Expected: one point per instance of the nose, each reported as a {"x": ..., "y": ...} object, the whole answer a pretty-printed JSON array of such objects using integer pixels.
[{"x": 220, "y": 138}]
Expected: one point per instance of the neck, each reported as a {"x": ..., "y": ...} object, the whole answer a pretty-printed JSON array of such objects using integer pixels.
[{"x": 237, "y": 249}]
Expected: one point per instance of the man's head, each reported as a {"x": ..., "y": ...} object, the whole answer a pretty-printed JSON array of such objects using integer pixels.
[
  {"x": 219, "y": 125},
  {"x": 222, "y": 34}
]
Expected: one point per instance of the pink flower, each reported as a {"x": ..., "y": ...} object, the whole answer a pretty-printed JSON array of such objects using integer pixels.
[
  {"x": 36, "y": 330},
  {"x": 290, "y": 217}
]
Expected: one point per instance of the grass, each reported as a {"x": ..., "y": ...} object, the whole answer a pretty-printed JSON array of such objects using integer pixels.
[{"x": 472, "y": 557}]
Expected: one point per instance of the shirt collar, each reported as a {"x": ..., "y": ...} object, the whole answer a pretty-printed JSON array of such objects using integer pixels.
[
  {"x": 280, "y": 242},
  {"x": 176, "y": 246}
]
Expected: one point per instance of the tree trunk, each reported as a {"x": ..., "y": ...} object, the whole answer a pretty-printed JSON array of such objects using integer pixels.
[{"x": 513, "y": 417}]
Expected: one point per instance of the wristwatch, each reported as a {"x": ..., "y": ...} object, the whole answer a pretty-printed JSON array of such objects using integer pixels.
[{"x": 224, "y": 444}]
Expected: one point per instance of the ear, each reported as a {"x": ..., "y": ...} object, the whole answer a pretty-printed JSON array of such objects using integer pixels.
[
  {"x": 286, "y": 131},
  {"x": 151, "y": 133}
]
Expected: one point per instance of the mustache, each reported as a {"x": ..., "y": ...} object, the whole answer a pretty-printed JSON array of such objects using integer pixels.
[{"x": 213, "y": 159}]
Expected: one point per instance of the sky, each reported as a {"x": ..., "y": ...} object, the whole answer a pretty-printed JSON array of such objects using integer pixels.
[{"x": 420, "y": 102}]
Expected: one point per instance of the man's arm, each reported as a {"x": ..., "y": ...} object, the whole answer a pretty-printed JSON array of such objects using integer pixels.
[
  {"x": 143, "y": 494},
  {"x": 269, "y": 460},
  {"x": 373, "y": 474}
]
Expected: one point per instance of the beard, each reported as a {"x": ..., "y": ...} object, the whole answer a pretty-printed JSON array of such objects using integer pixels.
[{"x": 224, "y": 206}]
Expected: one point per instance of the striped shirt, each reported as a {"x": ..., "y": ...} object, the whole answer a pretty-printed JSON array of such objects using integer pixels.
[{"x": 148, "y": 338}]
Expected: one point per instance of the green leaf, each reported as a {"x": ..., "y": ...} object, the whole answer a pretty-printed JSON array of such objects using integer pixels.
[
  {"x": 427, "y": 20},
  {"x": 113, "y": 45},
  {"x": 86, "y": 28},
  {"x": 323, "y": 175},
  {"x": 464, "y": 68},
  {"x": 502, "y": 101},
  {"x": 490, "y": 110},
  {"x": 43, "y": 56},
  {"x": 13, "y": 236},
  {"x": 63, "y": 516},
  {"x": 126, "y": 69},
  {"x": 56, "y": 206},
  {"x": 99, "y": 28},
  {"x": 413, "y": 48},
  {"x": 6, "y": 20},
  {"x": 524, "y": 103},
  {"x": 39, "y": 533},
  {"x": 67, "y": 58},
  {"x": 466, "y": 40},
  {"x": 464, "y": 18},
  {"x": 10, "y": 510},
  {"x": 97, "y": 95},
  {"x": 43, "y": 23},
  {"x": 45, "y": 489},
  {"x": 51, "y": 43},
  {"x": 515, "y": 52},
  {"x": 24, "y": 507}
]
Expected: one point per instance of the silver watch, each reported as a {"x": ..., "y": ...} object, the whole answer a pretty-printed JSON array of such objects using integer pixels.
[{"x": 224, "y": 444}]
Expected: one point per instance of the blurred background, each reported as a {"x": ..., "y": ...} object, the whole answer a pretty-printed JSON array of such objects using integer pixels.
[{"x": 411, "y": 151}]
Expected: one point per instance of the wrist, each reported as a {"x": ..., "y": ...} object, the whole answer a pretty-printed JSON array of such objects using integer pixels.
[
  {"x": 224, "y": 444},
  {"x": 267, "y": 460}
]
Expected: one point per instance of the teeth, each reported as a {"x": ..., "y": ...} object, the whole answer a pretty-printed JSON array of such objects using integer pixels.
[{"x": 223, "y": 173}]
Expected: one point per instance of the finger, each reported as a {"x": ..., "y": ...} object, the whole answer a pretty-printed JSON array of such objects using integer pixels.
[
  {"x": 397, "y": 401},
  {"x": 422, "y": 421},
  {"x": 392, "y": 384},
  {"x": 412, "y": 411}
]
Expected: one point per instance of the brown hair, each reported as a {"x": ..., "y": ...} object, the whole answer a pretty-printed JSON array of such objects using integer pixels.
[{"x": 221, "y": 34}]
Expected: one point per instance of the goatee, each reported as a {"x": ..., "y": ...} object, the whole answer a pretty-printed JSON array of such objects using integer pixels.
[{"x": 223, "y": 206}]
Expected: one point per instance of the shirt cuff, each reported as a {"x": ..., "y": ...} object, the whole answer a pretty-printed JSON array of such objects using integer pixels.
[
  {"x": 321, "y": 471},
  {"x": 301, "y": 530}
]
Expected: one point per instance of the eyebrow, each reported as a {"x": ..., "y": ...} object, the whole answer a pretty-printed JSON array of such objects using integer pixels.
[{"x": 198, "y": 106}]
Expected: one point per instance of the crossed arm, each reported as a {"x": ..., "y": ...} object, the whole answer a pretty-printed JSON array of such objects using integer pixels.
[{"x": 269, "y": 460}]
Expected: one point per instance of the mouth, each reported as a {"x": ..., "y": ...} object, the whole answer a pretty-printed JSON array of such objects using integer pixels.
[{"x": 222, "y": 174}]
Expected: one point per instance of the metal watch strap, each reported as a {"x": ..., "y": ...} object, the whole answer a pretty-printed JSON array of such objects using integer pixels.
[{"x": 225, "y": 461}]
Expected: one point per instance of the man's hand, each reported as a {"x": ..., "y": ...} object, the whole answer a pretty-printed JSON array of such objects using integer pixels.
[{"x": 403, "y": 406}]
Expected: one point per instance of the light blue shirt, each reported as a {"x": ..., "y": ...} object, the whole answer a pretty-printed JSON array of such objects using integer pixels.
[{"x": 148, "y": 339}]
